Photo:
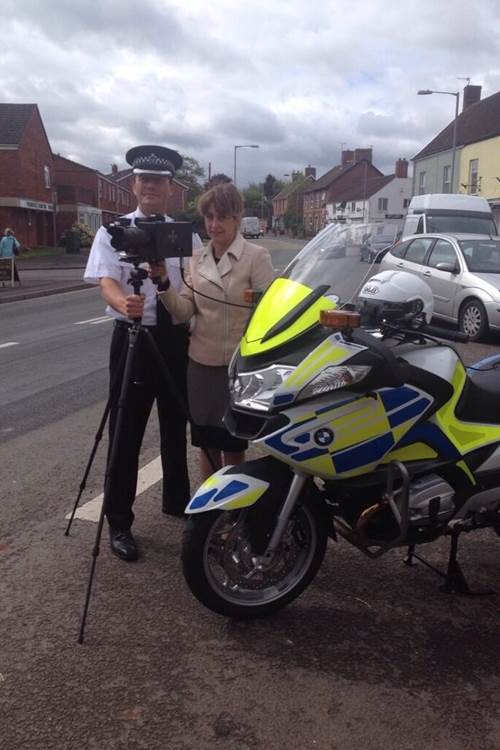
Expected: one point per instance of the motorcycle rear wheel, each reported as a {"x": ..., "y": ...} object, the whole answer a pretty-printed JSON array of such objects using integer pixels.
[{"x": 217, "y": 562}]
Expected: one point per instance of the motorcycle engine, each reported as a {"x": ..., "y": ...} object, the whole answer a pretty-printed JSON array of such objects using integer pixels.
[{"x": 431, "y": 501}]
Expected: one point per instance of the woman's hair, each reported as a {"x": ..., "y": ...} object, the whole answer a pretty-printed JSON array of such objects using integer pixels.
[{"x": 225, "y": 199}]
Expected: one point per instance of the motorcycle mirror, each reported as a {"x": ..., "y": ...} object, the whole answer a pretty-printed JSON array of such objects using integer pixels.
[{"x": 340, "y": 319}]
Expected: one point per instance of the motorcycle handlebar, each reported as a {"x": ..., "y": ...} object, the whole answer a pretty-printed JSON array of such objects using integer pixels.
[{"x": 444, "y": 333}]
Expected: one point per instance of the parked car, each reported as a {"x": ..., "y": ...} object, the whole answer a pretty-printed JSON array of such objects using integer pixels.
[
  {"x": 374, "y": 242},
  {"x": 463, "y": 271},
  {"x": 449, "y": 212}
]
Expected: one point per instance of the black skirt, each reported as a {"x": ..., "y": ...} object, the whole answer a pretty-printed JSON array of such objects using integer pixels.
[{"x": 208, "y": 395}]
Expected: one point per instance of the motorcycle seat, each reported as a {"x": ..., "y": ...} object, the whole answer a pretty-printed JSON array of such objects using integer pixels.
[{"x": 480, "y": 400}]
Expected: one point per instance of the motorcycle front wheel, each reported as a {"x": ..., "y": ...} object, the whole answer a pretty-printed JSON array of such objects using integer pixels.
[{"x": 219, "y": 563}]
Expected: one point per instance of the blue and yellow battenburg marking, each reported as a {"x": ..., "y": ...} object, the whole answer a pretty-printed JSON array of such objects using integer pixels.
[
  {"x": 223, "y": 491},
  {"x": 363, "y": 430}
]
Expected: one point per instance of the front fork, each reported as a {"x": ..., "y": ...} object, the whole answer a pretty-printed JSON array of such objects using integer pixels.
[{"x": 262, "y": 562}]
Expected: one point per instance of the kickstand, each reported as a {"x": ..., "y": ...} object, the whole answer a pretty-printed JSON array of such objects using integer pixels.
[{"x": 454, "y": 580}]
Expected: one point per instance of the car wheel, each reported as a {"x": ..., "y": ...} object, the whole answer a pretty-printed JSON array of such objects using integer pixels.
[{"x": 473, "y": 319}]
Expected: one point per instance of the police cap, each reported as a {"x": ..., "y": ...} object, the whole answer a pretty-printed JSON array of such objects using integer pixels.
[{"x": 153, "y": 160}]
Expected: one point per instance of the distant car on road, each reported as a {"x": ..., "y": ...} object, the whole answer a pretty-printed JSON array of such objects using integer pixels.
[
  {"x": 463, "y": 271},
  {"x": 250, "y": 226}
]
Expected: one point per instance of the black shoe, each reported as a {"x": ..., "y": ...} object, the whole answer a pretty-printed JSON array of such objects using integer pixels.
[{"x": 123, "y": 544}]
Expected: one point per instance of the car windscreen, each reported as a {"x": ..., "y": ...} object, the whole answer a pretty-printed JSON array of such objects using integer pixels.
[
  {"x": 481, "y": 256},
  {"x": 446, "y": 224}
]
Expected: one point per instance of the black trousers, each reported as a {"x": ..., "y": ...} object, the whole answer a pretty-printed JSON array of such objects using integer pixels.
[{"x": 148, "y": 384}]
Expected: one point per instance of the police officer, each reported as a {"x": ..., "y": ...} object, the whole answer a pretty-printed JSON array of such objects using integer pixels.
[{"x": 153, "y": 169}]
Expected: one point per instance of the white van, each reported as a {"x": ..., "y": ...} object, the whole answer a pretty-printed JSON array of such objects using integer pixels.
[
  {"x": 250, "y": 226},
  {"x": 449, "y": 212}
]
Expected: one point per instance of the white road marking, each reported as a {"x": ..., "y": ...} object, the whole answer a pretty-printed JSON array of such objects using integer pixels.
[
  {"x": 9, "y": 343},
  {"x": 94, "y": 321},
  {"x": 149, "y": 475}
]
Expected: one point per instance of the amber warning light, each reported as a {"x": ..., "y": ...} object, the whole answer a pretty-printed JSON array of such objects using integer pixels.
[
  {"x": 251, "y": 296},
  {"x": 340, "y": 319}
]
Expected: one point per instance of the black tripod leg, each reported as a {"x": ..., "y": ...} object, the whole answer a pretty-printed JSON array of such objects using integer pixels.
[
  {"x": 97, "y": 440},
  {"x": 173, "y": 387},
  {"x": 83, "y": 483},
  {"x": 129, "y": 360}
]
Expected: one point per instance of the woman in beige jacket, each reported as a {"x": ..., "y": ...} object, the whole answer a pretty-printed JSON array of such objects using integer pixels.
[{"x": 213, "y": 298}]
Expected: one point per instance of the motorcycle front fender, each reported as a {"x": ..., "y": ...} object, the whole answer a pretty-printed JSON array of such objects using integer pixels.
[{"x": 234, "y": 487}]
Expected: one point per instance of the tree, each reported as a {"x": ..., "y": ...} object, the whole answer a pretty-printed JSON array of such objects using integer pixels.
[
  {"x": 272, "y": 186},
  {"x": 190, "y": 174},
  {"x": 253, "y": 195},
  {"x": 217, "y": 179}
]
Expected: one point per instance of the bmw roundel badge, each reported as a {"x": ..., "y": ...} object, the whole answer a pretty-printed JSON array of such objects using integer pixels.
[{"x": 324, "y": 436}]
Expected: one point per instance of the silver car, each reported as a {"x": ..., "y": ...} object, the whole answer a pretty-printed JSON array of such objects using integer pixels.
[{"x": 463, "y": 271}]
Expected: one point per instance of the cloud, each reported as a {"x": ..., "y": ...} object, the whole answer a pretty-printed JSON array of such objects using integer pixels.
[{"x": 298, "y": 79}]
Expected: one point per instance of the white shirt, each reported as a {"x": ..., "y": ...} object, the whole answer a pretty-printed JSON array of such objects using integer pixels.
[{"x": 104, "y": 261}]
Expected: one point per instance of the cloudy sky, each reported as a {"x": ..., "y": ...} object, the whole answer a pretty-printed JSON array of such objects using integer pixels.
[{"x": 297, "y": 77}]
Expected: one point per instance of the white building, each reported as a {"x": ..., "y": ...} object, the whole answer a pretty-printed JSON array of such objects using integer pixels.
[{"x": 378, "y": 199}]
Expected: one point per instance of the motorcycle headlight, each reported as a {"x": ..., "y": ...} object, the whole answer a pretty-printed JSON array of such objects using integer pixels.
[
  {"x": 333, "y": 378},
  {"x": 257, "y": 389}
]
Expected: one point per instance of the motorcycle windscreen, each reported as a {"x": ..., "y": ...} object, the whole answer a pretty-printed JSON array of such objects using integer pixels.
[{"x": 324, "y": 275}]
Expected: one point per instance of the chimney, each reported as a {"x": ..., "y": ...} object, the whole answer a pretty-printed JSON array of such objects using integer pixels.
[
  {"x": 472, "y": 95},
  {"x": 114, "y": 169},
  {"x": 363, "y": 153},
  {"x": 401, "y": 168},
  {"x": 310, "y": 172},
  {"x": 347, "y": 158}
]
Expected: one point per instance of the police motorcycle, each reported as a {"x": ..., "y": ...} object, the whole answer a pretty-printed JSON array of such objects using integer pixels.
[{"x": 372, "y": 429}]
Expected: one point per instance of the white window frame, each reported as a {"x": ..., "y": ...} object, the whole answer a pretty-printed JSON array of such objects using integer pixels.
[
  {"x": 473, "y": 185},
  {"x": 421, "y": 183},
  {"x": 383, "y": 204},
  {"x": 46, "y": 177},
  {"x": 447, "y": 179}
]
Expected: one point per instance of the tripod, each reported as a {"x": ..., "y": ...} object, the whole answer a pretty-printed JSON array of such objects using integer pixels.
[{"x": 136, "y": 330}]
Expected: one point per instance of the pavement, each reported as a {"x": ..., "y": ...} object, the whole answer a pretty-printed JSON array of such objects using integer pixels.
[{"x": 41, "y": 276}]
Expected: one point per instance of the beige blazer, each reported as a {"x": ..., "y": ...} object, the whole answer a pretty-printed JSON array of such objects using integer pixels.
[{"x": 217, "y": 328}]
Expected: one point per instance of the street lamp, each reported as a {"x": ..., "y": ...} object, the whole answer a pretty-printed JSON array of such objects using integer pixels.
[
  {"x": 246, "y": 145},
  {"x": 456, "y": 94}
]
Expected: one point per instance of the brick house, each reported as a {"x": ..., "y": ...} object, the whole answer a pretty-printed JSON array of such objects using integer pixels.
[
  {"x": 356, "y": 169},
  {"x": 291, "y": 198},
  {"x": 86, "y": 195},
  {"x": 26, "y": 175},
  {"x": 381, "y": 198},
  {"x": 178, "y": 200}
]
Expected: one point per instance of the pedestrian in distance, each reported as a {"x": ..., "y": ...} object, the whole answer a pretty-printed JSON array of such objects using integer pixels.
[
  {"x": 9, "y": 246},
  {"x": 213, "y": 297},
  {"x": 153, "y": 169}
]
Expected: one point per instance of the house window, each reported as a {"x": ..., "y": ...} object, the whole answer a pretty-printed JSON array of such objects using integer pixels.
[
  {"x": 473, "y": 179},
  {"x": 382, "y": 204},
  {"x": 353, "y": 205},
  {"x": 421, "y": 183},
  {"x": 447, "y": 179},
  {"x": 46, "y": 176},
  {"x": 406, "y": 202}
]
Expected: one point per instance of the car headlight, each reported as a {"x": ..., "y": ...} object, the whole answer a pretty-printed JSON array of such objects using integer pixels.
[
  {"x": 333, "y": 378},
  {"x": 257, "y": 389}
]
